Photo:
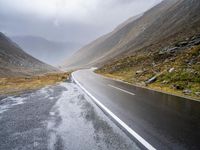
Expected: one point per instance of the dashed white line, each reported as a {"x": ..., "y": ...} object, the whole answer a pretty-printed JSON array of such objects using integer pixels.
[
  {"x": 121, "y": 89},
  {"x": 125, "y": 126}
]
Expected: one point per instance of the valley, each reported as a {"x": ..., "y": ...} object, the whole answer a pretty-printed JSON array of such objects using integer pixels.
[{"x": 135, "y": 84}]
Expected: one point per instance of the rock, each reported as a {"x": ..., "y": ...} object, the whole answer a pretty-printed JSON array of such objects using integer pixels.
[
  {"x": 139, "y": 72},
  {"x": 154, "y": 64},
  {"x": 197, "y": 93},
  {"x": 197, "y": 41},
  {"x": 191, "y": 62},
  {"x": 187, "y": 39},
  {"x": 166, "y": 61},
  {"x": 178, "y": 87},
  {"x": 186, "y": 61},
  {"x": 181, "y": 44},
  {"x": 151, "y": 80},
  {"x": 168, "y": 50},
  {"x": 171, "y": 70},
  {"x": 172, "y": 50},
  {"x": 187, "y": 92},
  {"x": 190, "y": 70},
  {"x": 165, "y": 82}
]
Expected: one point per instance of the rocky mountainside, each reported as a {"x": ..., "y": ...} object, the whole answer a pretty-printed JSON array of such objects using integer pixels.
[
  {"x": 40, "y": 48},
  {"x": 15, "y": 62},
  {"x": 163, "y": 25},
  {"x": 173, "y": 69}
]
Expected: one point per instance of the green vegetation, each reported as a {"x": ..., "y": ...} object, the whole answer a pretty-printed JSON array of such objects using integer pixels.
[{"x": 175, "y": 70}]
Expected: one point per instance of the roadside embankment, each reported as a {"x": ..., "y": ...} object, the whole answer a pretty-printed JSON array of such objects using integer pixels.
[
  {"x": 15, "y": 85},
  {"x": 174, "y": 69}
]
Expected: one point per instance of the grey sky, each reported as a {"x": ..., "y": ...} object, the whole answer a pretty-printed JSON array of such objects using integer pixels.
[{"x": 67, "y": 20}]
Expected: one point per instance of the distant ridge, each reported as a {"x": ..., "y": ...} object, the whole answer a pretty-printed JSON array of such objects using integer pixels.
[
  {"x": 15, "y": 62},
  {"x": 40, "y": 48}
]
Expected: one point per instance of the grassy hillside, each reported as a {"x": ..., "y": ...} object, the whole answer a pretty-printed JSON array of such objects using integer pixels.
[
  {"x": 174, "y": 69},
  {"x": 15, "y": 62}
]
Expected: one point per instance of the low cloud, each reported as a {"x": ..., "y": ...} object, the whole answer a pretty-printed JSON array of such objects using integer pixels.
[{"x": 67, "y": 20}]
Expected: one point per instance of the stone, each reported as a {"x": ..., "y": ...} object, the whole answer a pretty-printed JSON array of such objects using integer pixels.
[
  {"x": 139, "y": 72},
  {"x": 190, "y": 70},
  {"x": 184, "y": 43},
  {"x": 154, "y": 64},
  {"x": 197, "y": 93},
  {"x": 172, "y": 50},
  {"x": 178, "y": 87},
  {"x": 168, "y": 50},
  {"x": 187, "y": 92},
  {"x": 197, "y": 41},
  {"x": 165, "y": 82},
  {"x": 171, "y": 70},
  {"x": 151, "y": 80},
  {"x": 166, "y": 61}
]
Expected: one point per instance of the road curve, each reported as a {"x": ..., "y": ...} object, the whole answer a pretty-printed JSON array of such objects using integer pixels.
[{"x": 164, "y": 121}]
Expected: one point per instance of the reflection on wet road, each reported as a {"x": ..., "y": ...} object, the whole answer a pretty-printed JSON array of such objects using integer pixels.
[
  {"x": 164, "y": 121},
  {"x": 58, "y": 117}
]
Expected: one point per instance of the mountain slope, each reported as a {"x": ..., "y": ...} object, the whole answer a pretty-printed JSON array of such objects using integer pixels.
[
  {"x": 15, "y": 62},
  {"x": 166, "y": 56},
  {"x": 168, "y": 22},
  {"x": 41, "y": 48},
  {"x": 99, "y": 47}
]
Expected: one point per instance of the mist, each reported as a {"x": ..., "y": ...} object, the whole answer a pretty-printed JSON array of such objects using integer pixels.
[{"x": 69, "y": 21}]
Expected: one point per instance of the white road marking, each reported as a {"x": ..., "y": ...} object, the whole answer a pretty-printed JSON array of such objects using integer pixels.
[
  {"x": 121, "y": 89},
  {"x": 125, "y": 126}
]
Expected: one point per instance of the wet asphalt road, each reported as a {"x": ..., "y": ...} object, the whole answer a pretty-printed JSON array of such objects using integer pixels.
[
  {"x": 58, "y": 117},
  {"x": 165, "y": 121}
]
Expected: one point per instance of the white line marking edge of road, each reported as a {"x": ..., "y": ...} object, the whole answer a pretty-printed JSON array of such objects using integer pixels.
[
  {"x": 121, "y": 89},
  {"x": 125, "y": 126}
]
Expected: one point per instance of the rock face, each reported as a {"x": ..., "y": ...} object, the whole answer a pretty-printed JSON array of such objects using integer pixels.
[{"x": 15, "y": 62}]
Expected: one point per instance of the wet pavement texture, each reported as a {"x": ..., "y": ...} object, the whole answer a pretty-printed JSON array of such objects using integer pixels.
[
  {"x": 165, "y": 121},
  {"x": 58, "y": 117}
]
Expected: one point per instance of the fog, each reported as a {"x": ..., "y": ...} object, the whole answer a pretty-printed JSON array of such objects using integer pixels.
[
  {"x": 78, "y": 21},
  {"x": 38, "y": 26}
]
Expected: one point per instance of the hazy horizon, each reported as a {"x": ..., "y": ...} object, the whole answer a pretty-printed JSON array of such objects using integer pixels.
[{"x": 64, "y": 20}]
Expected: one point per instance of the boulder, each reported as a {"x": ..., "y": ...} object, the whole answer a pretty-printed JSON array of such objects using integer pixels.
[
  {"x": 184, "y": 43},
  {"x": 177, "y": 87},
  {"x": 139, "y": 72},
  {"x": 197, "y": 93},
  {"x": 165, "y": 82},
  {"x": 171, "y": 70},
  {"x": 187, "y": 92},
  {"x": 151, "y": 80},
  {"x": 172, "y": 50}
]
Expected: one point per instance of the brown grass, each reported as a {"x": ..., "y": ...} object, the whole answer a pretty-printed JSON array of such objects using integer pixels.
[{"x": 14, "y": 85}]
